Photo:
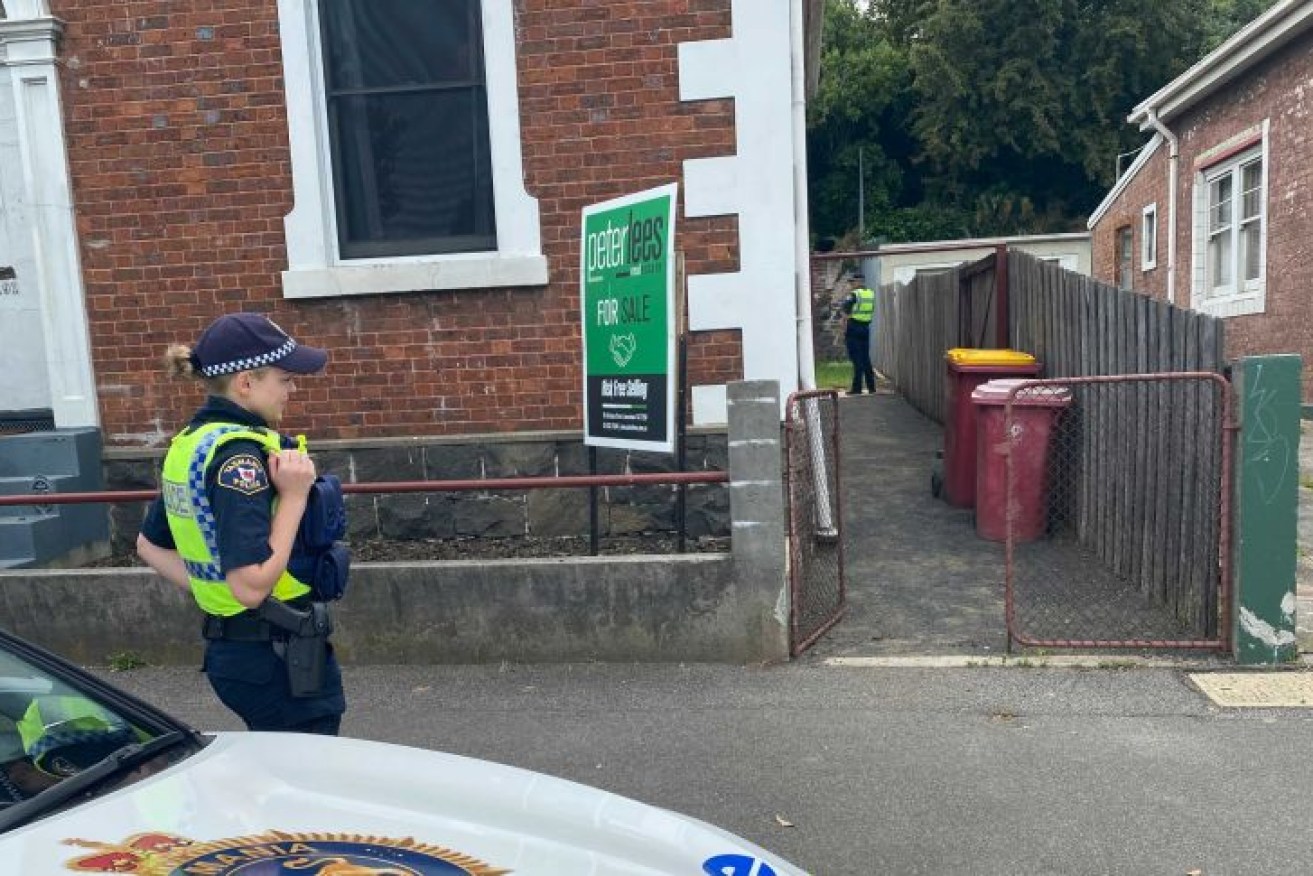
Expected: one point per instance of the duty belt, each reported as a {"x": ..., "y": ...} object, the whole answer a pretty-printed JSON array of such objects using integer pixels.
[
  {"x": 244, "y": 627},
  {"x": 248, "y": 626}
]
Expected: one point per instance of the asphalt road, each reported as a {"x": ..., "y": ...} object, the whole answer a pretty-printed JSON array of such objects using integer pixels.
[{"x": 877, "y": 771}]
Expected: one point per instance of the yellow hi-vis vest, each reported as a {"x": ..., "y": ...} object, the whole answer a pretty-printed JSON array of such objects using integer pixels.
[
  {"x": 191, "y": 519},
  {"x": 864, "y": 307}
]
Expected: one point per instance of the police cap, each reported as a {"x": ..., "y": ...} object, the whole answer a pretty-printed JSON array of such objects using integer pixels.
[{"x": 245, "y": 341}]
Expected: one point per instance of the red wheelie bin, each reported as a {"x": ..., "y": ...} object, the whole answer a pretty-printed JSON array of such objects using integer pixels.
[
  {"x": 968, "y": 369},
  {"x": 1035, "y": 411}
]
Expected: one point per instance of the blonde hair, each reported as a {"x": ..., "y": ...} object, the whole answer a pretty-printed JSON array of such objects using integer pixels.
[{"x": 178, "y": 362}]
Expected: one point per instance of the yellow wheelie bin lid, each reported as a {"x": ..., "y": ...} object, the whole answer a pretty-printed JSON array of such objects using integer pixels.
[{"x": 971, "y": 358}]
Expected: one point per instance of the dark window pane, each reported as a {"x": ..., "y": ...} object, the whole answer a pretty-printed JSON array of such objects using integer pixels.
[
  {"x": 389, "y": 43},
  {"x": 1125, "y": 246},
  {"x": 408, "y": 122},
  {"x": 414, "y": 168}
]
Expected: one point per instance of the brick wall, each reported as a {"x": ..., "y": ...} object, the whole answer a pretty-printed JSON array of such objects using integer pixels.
[
  {"x": 1279, "y": 90},
  {"x": 1149, "y": 186},
  {"x": 177, "y": 134}
]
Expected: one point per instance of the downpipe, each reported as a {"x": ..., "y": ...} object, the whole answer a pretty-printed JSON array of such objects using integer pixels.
[{"x": 825, "y": 526}]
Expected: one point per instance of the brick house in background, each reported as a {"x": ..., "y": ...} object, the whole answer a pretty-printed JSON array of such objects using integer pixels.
[
  {"x": 1216, "y": 211},
  {"x": 398, "y": 183}
]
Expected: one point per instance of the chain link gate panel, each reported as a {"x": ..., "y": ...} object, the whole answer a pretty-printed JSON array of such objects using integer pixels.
[
  {"x": 816, "y": 582},
  {"x": 1114, "y": 503}
]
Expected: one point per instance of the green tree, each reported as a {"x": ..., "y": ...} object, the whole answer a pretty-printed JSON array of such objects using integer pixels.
[
  {"x": 1032, "y": 95},
  {"x": 1225, "y": 17},
  {"x": 978, "y": 117},
  {"x": 863, "y": 80}
]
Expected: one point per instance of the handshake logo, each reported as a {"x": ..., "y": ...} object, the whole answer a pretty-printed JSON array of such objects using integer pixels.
[{"x": 622, "y": 348}]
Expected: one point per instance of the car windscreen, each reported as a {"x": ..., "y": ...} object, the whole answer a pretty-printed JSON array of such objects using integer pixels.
[{"x": 53, "y": 731}]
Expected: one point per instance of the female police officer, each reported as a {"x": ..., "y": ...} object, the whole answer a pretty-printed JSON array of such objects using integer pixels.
[{"x": 226, "y": 526}]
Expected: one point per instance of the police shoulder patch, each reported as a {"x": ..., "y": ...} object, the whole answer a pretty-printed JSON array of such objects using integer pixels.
[{"x": 243, "y": 473}]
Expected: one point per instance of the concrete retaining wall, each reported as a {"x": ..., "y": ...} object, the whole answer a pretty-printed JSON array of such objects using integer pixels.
[
  {"x": 693, "y": 607},
  {"x": 581, "y": 609}
]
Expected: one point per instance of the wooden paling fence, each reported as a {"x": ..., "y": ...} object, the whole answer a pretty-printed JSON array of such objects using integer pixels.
[
  {"x": 1079, "y": 327},
  {"x": 1074, "y": 325}
]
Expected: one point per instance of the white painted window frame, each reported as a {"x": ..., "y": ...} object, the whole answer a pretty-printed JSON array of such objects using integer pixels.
[
  {"x": 1149, "y": 238},
  {"x": 315, "y": 266},
  {"x": 1241, "y": 297}
]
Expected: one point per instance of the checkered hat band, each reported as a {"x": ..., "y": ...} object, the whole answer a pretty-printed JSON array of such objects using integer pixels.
[
  {"x": 60, "y": 738},
  {"x": 250, "y": 363}
]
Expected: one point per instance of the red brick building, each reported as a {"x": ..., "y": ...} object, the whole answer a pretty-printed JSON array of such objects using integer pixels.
[
  {"x": 400, "y": 183},
  {"x": 1216, "y": 211}
]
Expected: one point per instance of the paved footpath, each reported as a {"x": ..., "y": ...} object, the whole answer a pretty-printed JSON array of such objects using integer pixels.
[{"x": 878, "y": 771}]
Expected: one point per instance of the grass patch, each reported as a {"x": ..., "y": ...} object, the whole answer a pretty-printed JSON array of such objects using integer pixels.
[
  {"x": 126, "y": 660},
  {"x": 834, "y": 375},
  {"x": 1117, "y": 664}
]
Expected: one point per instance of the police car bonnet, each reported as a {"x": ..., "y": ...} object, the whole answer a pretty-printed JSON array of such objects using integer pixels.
[{"x": 245, "y": 341}]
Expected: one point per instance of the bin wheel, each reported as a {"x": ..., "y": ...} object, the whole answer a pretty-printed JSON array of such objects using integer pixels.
[{"x": 937, "y": 475}]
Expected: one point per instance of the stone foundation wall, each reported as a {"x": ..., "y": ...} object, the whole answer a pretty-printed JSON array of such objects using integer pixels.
[{"x": 492, "y": 514}]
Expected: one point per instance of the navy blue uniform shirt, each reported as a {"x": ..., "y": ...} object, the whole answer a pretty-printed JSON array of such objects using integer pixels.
[{"x": 237, "y": 484}]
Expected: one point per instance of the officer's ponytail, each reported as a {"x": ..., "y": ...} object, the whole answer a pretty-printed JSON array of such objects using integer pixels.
[{"x": 179, "y": 361}]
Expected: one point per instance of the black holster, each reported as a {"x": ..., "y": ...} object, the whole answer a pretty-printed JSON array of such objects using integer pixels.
[{"x": 305, "y": 652}]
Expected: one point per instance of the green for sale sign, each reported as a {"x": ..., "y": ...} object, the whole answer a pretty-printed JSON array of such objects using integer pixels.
[{"x": 627, "y": 287}]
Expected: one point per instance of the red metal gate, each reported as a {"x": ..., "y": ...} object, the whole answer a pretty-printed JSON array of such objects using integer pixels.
[
  {"x": 816, "y": 580},
  {"x": 1115, "y": 502}
]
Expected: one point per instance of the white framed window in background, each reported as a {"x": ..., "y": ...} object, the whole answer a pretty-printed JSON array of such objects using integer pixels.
[
  {"x": 407, "y": 168},
  {"x": 1230, "y": 233},
  {"x": 1149, "y": 238}
]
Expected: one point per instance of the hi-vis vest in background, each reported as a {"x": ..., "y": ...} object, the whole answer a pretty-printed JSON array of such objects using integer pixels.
[
  {"x": 191, "y": 519},
  {"x": 864, "y": 307},
  {"x": 54, "y": 723}
]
